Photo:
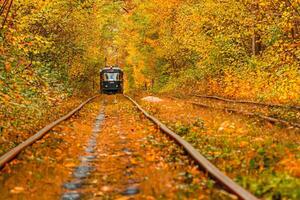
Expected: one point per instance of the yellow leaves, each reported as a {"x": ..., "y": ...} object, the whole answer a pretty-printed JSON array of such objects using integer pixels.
[
  {"x": 17, "y": 190},
  {"x": 227, "y": 126},
  {"x": 5, "y": 97},
  {"x": 134, "y": 161},
  {"x": 243, "y": 144},
  {"x": 70, "y": 164}
]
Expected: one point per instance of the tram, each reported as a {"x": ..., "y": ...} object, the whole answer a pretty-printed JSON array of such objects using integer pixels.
[{"x": 111, "y": 80}]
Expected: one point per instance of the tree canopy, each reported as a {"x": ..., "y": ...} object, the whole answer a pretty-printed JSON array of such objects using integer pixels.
[{"x": 235, "y": 48}]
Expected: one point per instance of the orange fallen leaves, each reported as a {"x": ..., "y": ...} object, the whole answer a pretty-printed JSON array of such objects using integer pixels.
[
  {"x": 227, "y": 126},
  {"x": 58, "y": 151},
  {"x": 17, "y": 190},
  {"x": 134, "y": 161},
  {"x": 106, "y": 188},
  {"x": 237, "y": 145},
  {"x": 7, "y": 67},
  {"x": 244, "y": 144},
  {"x": 123, "y": 198},
  {"x": 70, "y": 164},
  {"x": 151, "y": 157},
  {"x": 291, "y": 164}
]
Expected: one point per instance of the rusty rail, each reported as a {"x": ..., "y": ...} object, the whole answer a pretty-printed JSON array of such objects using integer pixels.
[
  {"x": 200, "y": 159},
  {"x": 248, "y": 102},
  {"x": 8, "y": 156},
  {"x": 250, "y": 114},
  {"x": 267, "y": 118}
]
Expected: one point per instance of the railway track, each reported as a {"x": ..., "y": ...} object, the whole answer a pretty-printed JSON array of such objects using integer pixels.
[
  {"x": 251, "y": 114},
  {"x": 259, "y": 115},
  {"x": 200, "y": 160},
  {"x": 8, "y": 156},
  {"x": 248, "y": 102}
]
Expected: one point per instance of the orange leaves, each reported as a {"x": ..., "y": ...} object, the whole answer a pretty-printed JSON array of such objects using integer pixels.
[
  {"x": 58, "y": 151},
  {"x": 47, "y": 164},
  {"x": 151, "y": 156},
  {"x": 7, "y": 67},
  {"x": 17, "y": 190},
  {"x": 243, "y": 144},
  {"x": 70, "y": 164},
  {"x": 291, "y": 164},
  {"x": 5, "y": 97}
]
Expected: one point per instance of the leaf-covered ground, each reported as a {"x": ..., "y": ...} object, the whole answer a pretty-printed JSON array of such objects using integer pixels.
[
  {"x": 133, "y": 153},
  {"x": 131, "y": 156},
  {"x": 262, "y": 157},
  {"x": 285, "y": 113},
  {"x": 18, "y": 123},
  {"x": 39, "y": 172}
]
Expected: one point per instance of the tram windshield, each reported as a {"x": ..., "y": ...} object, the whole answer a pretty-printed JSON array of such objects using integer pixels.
[{"x": 111, "y": 76}]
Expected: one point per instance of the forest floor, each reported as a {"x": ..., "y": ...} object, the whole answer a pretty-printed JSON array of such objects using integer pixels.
[
  {"x": 106, "y": 151},
  {"x": 22, "y": 122},
  {"x": 261, "y": 156}
]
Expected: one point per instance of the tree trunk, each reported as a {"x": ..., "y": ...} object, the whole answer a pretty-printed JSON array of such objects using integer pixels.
[{"x": 253, "y": 45}]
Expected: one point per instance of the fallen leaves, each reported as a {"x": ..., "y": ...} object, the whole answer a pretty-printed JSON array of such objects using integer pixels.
[
  {"x": 240, "y": 146},
  {"x": 7, "y": 67},
  {"x": 70, "y": 164},
  {"x": 244, "y": 144},
  {"x": 227, "y": 126},
  {"x": 106, "y": 188},
  {"x": 46, "y": 165},
  {"x": 133, "y": 152},
  {"x": 291, "y": 164},
  {"x": 58, "y": 151},
  {"x": 123, "y": 198},
  {"x": 17, "y": 190}
]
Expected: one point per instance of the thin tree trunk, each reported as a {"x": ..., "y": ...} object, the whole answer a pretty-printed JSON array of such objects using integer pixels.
[
  {"x": 6, "y": 16},
  {"x": 253, "y": 44},
  {"x": 3, "y": 6}
]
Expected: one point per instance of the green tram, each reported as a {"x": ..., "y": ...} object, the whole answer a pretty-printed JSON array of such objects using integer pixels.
[{"x": 111, "y": 80}]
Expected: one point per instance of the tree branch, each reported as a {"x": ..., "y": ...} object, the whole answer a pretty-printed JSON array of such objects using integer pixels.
[
  {"x": 3, "y": 6},
  {"x": 6, "y": 16}
]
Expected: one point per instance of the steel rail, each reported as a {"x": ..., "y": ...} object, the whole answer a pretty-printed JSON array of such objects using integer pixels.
[
  {"x": 11, "y": 154},
  {"x": 248, "y": 102},
  {"x": 213, "y": 171},
  {"x": 267, "y": 118},
  {"x": 264, "y": 117}
]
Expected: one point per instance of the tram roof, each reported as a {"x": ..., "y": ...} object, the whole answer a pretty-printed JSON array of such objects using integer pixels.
[{"x": 108, "y": 68}]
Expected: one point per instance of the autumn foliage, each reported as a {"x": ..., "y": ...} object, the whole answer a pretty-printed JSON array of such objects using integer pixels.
[
  {"x": 48, "y": 53},
  {"x": 51, "y": 53},
  {"x": 235, "y": 48},
  {"x": 51, "y": 50}
]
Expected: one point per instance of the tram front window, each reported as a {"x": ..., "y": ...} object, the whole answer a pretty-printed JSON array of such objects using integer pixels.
[{"x": 111, "y": 76}]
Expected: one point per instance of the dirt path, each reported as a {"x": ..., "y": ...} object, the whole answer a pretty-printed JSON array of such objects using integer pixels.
[{"x": 107, "y": 151}]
